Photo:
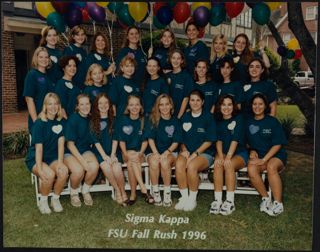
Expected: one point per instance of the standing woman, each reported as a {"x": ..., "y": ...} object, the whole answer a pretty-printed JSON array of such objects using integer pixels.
[
  {"x": 259, "y": 83},
  {"x": 102, "y": 128},
  {"x": 203, "y": 82},
  {"x": 196, "y": 49},
  {"x": 196, "y": 151},
  {"x": 131, "y": 47},
  {"x": 49, "y": 40},
  {"x": 167, "y": 44},
  {"x": 180, "y": 82},
  {"x": 80, "y": 159},
  {"x": 65, "y": 88},
  {"x": 37, "y": 84},
  {"x": 219, "y": 51},
  {"x": 154, "y": 85},
  {"x": 231, "y": 155},
  {"x": 266, "y": 140},
  {"x": 164, "y": 136},
  {"x": 77, "y": 39},
  {"x": 45, "y": 155},
  {"x": 133, "y": 143}
]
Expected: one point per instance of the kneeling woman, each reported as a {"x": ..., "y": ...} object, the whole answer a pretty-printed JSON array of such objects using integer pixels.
[
  {"x": 81, "y": 161},
  {"x": 164, "y": 136},
  {"x": 133, "y": 144},
  {"x": 266, "y": 139},
  {"x": 231, "y": 153},
  {"x": 197, "y": 149},
  {"x": 45, "y": 155},
  {"x": 102, "y": 128}
]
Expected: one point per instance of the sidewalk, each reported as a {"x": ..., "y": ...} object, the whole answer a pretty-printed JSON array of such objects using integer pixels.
[{"x": 14, "y": 122}]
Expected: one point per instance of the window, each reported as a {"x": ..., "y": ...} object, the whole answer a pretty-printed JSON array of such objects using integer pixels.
[
  {"x": 244, "y": 19},
  {"x": 314, "y": 36},
  {"x": 286, "y": 37},
  {"x": 300, "y": 74},
  {"x": 311, "y": 12},
  {"x": 310, "y": 75}
]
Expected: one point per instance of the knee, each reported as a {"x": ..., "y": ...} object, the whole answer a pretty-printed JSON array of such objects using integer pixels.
[
  {"x": 154, "y": 164},
  {"x": 192, "y": 169},
  {"x": 93, "y": 167},
  {"x": 252, "y": 171},
  {"x": 77, "y": 173},
  {"x": 62, "y": 172},
  {"x": 272, "y": 169}
]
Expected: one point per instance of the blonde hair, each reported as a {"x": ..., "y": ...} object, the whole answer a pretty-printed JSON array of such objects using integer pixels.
[
  {"x": 43, "y": 114},
  {"x": 74, "y": 31},
  {"x": 34, "y": 62},
  {"x": 155, "y": 112},
  {"x": 89, "y": 81},
  {"x": 213, "y": 53},
  {"x": 127, "y": 112},
  {"x": 124, "y": 61},
  {"x": 44, "y": 33}
]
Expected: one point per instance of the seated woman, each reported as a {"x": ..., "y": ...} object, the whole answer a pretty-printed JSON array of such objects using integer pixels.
[
  {"x": 232, "y": 154},
  {"x": 197, "y": 150},
  {"x": 133, "y": 144},
  {"x": 164, "y": 136},
  {"x": 102, "y": 129},
  {"x": 266, "y": 139},
  {"x": 45, "y": 155},
  {"x": 80, "y": 159}
]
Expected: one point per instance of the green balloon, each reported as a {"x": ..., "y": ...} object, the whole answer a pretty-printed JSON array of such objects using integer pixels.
[
  {"x": 124, "y": 15},
  {"x": 55, "y": 19},
  {"x": 290, "y": 54},
  {"x": 261, "y": 13},
  {"x": 172, "y": 3},
  {"x": 114, "y": 7},
  {"x": 157, "y": 23},
  {"x": 217, "y": 14}
]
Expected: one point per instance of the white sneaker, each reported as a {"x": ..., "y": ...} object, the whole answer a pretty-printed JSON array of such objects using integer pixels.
[
  {"x": 181, "y": 203},
  {"x": 215, "y": 207},
  {"x": 44, "y": 207},
  {"x": 276, "y": 208},
  {"x": 167, "y": 202},
  {"x": 157, "y": 198},
  {"x": 56, "y": 205},
  {"x": 190, "y": 205},
  {"x": 227, "y": 208},
  {"x": 265, "y": 205},
  {"x": 87, "y": 199}
]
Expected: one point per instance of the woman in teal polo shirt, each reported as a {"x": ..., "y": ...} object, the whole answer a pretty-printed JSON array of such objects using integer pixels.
[
  {"x": 196, "y": 151},
  {"x": 266, "y": 139},
  {"x": 45, "y": 155}
]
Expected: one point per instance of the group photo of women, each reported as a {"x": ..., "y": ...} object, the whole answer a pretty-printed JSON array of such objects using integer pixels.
[{"x": 180, "y": 110}]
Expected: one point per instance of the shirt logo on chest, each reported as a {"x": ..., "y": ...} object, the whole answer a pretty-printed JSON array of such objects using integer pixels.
[
  {"x": 127, "y": 88},
  {"x": 54, "y": 58},
  {"x": 179, "y": 86},
  {"x": 97, "y": 56},
  {"x": 246, "y": 87},
  {"x": 68, "y": 85},
  {"x": 78, "y": 55},
  {"x": 187, "y": 126},
  {"x": 253, "y": 129},
  {"x": 169, "y": 130},
  {"x": 127, "y": 129},
  {"x": 103, "y": 125},
  {"x": 232, "y": 125},
  {"x": 201, "y": 130},
  {"x": 41, "y": 79},
  {"x": 57, "y": 129},
  {"x": 266, "y": 131}
]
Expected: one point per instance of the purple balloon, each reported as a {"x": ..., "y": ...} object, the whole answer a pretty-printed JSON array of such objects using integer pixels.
[
  {"x": 201, "y": 16},
  {"x": 282, "y": 50},
  {"x": 96, "y": 12},
  {"x": 73, "y": 17},
  {"x": 165, "y": 15}
]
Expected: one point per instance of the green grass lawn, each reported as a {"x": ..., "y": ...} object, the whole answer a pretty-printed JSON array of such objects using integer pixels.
[
  {"x": 87, "y": 227},
  {"x": 291, "y": 111}
]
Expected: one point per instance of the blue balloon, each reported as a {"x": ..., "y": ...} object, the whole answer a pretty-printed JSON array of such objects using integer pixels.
[
  {"x": 165, "y": 15},
  {"x": 201, "y": 16}
]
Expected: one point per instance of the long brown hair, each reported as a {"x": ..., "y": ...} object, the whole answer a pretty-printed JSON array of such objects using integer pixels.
[
  {"x": 106, "y": 50},
  {"x": 95, "y": 115},
  {"x": 126, "y": 40},
  {"x": 247, "y": 54},
  {"x": 44, "y": 34}
]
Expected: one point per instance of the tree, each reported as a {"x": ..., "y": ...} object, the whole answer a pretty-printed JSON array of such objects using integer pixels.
[{"x": 281, "y": 75}]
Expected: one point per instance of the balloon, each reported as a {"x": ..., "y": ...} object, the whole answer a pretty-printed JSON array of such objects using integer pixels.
[
  {"x": 273, "y": 5},
  {"x": 122, "y": 25},
  {"x": 60, "y": 7},
  {"x": 79, "y": 4},
  {"x": 290, "y": 54},
  {"x": 157, "y": 6},
  {"x": 73, "y": 17},
  {"x": 293, "y": 44},
  {"x": 251, "y": 5},
  {"x": 157, "y": 24},
  {"x": 282, "y": 51},
  {"x": 201, "y": 32},
  {"x": 138, "y": 10},
  {"x": 261, "y": 13},
  {"x": 172, "y": 4},
  {"x": 201, "y": 16},
  {"x": 97, "y": 13},
  {"x": 114, "y": 7},
  {"x": 38, "y": 15},
  {"x": 234, "y": 9},
  {"x": 102, "y": 4},
  {"x": 195, "y": 5},
  {"x": 44, "y": 8},
  {"x": 217, "y": 14},
  {"x": 124, "y": 16},
  {"x": 165, "y": 15},
  {"x": 147, "y": 15},
  {"x": 181, "y": 12},
  {"x": 55, "y": 19},
  {"x": 85, "y": 15},
  {"x": 297, "y": 54}
]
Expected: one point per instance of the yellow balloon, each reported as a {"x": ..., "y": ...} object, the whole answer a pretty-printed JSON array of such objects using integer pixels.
[
  {"x": 44, "y": 8},
  {"x": 293, "y": 44},
  {"x": 138, "y": 10},
  {"x": 195, "y": 5},
  {"x": 102, "y": 4},
  {"x": 273, "y": 5}
]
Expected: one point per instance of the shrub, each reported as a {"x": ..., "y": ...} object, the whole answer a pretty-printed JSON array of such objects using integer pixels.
[
  {"x": 287, "y": 124},
  {"x": 15, "y": 144}
]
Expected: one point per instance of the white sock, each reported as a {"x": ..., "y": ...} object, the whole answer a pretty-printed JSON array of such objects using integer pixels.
[
  {"x": 167, "y": 189},
  {"x": 193, "y": 195},
  {"x": 218, "y": 196},
  {"x": 44, "y": 198},
  {"x": 184, "y": 193},
  {"x": 265, "y": 198},
  {"x": 230, "y": 196},
  {"x": 73, "y": 191},
  {"x": 55, "y": 196},
  {"x": 155, "y": 188},
  {"x": 85, "y": 188}
]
